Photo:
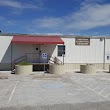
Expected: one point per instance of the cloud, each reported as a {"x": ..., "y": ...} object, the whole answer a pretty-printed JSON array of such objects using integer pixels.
[
  {"x": 54, "y": 33},
  {"x": 20, "y": 5},
  {"x": 48, "y": 22},
  {"x": 6, "y": 22},
  {"x": 89, "y": 16},
  {"x": 93, "y": 1}
]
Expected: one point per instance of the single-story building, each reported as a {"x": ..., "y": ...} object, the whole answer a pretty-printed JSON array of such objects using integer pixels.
[{"x": 70, "y": 50}]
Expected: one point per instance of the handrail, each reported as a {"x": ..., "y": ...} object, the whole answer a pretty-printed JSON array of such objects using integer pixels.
[
  {"x": 58, "y": 60},
  {"x": 17, "y": 61},
  {"x": 22, "y": 57},
  {"x": 55, "y": 60}
]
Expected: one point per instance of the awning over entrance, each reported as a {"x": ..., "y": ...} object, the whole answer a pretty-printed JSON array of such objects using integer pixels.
[{"x": 24, "y": 39}]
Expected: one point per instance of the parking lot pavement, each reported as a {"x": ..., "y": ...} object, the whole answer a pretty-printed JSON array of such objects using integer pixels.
[
  {"x": 22, "y": 91},
  {"x": 98, "y": 83}
]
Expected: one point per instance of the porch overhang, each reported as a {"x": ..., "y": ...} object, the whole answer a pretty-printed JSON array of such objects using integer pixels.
[{"x": 24, "y": 39}]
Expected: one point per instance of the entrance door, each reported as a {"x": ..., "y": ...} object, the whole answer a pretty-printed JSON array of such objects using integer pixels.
[{"x": 36, "y": 53}]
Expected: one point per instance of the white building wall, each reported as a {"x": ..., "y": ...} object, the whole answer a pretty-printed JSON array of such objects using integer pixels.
[
  {"x": 19, "y": 50},
  {"x": 5, "y": 49},
  {"x": 83, "y": 54},
  {"x": 49, "y": 49},
  {"x": 74, "y": 54},
  {"x": 107, "y": 50}
]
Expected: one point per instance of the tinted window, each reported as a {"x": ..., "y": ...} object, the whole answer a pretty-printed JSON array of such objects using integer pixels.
[{"x": 61, "y": 50}]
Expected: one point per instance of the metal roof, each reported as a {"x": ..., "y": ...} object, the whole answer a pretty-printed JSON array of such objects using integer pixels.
[{"x": 24, "y": 39}]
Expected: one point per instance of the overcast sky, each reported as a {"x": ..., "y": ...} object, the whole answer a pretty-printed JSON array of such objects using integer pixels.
[{"x": 75, "y": 17}]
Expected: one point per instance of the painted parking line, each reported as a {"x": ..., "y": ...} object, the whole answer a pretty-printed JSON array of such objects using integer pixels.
[
  {"x": 107, "y": 95},
  {"x": 93, "y": 86},
  {"x": 96, "y": 85},
  {"x": 12, "y": 93},
  {"x": 102, "y": 90},
  {"x": 93, "y": 90}
]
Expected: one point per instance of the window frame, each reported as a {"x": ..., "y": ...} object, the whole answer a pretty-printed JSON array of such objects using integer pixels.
[{"x": 61, "y": 50}]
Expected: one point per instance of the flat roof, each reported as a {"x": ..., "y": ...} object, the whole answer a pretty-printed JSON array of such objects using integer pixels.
[{"x": 62, "y": 36}]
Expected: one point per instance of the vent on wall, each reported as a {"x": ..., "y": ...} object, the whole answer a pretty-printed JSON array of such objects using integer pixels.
[{"x": 101, "y": 39}]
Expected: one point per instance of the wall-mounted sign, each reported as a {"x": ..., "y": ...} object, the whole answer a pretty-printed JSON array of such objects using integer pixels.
[
  {"x": 82, "y": 41},
  {"x": 44, "y": 55}
]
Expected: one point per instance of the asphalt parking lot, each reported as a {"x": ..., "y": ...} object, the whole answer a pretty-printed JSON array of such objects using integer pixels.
[{"x": 72, "y": 90}]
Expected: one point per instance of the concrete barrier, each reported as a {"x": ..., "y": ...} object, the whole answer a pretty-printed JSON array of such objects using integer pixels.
[
  {"x": 88, "y": 68},
  {"x": 109, "y": 68},
  {"x": 23, "y": 69},
  {"x": 57, "y": 69}
]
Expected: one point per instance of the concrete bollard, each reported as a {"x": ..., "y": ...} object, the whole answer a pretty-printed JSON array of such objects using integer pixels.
[
  {"x": 57, "y": 69},
  {"x": 23, "y": 69},
  {"x": 109, "y": 68},
  {"x": 88, "y": 68}
]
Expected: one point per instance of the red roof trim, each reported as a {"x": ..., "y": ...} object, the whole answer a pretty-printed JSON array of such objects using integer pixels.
[{"x": 22, "y": 39}]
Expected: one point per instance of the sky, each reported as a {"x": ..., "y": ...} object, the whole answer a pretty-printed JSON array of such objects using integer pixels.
[{"x": 63, "y": 17}]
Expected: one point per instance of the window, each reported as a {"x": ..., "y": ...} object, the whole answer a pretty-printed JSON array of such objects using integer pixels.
[
  {"x": 107, "y": 57},
  {"x": 61, "y": 50}
]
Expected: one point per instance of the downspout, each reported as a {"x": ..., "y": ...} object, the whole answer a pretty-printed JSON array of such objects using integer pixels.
[
  {"x": 11, "y": 56},
  {"x": 104, "y": 55}
]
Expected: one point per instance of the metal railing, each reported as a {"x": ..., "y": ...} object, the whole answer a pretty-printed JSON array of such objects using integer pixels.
[
  {"x": 36, "y": 58},
  {"x": 28, "y": 57},
  {"x": 18, "y": 60},
  {"x": 55, "y": 60}
]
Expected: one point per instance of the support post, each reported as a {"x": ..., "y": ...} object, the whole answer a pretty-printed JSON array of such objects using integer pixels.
[
  {"x": 44, "y": 66},
  {"x": 63, "y": 54}
]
